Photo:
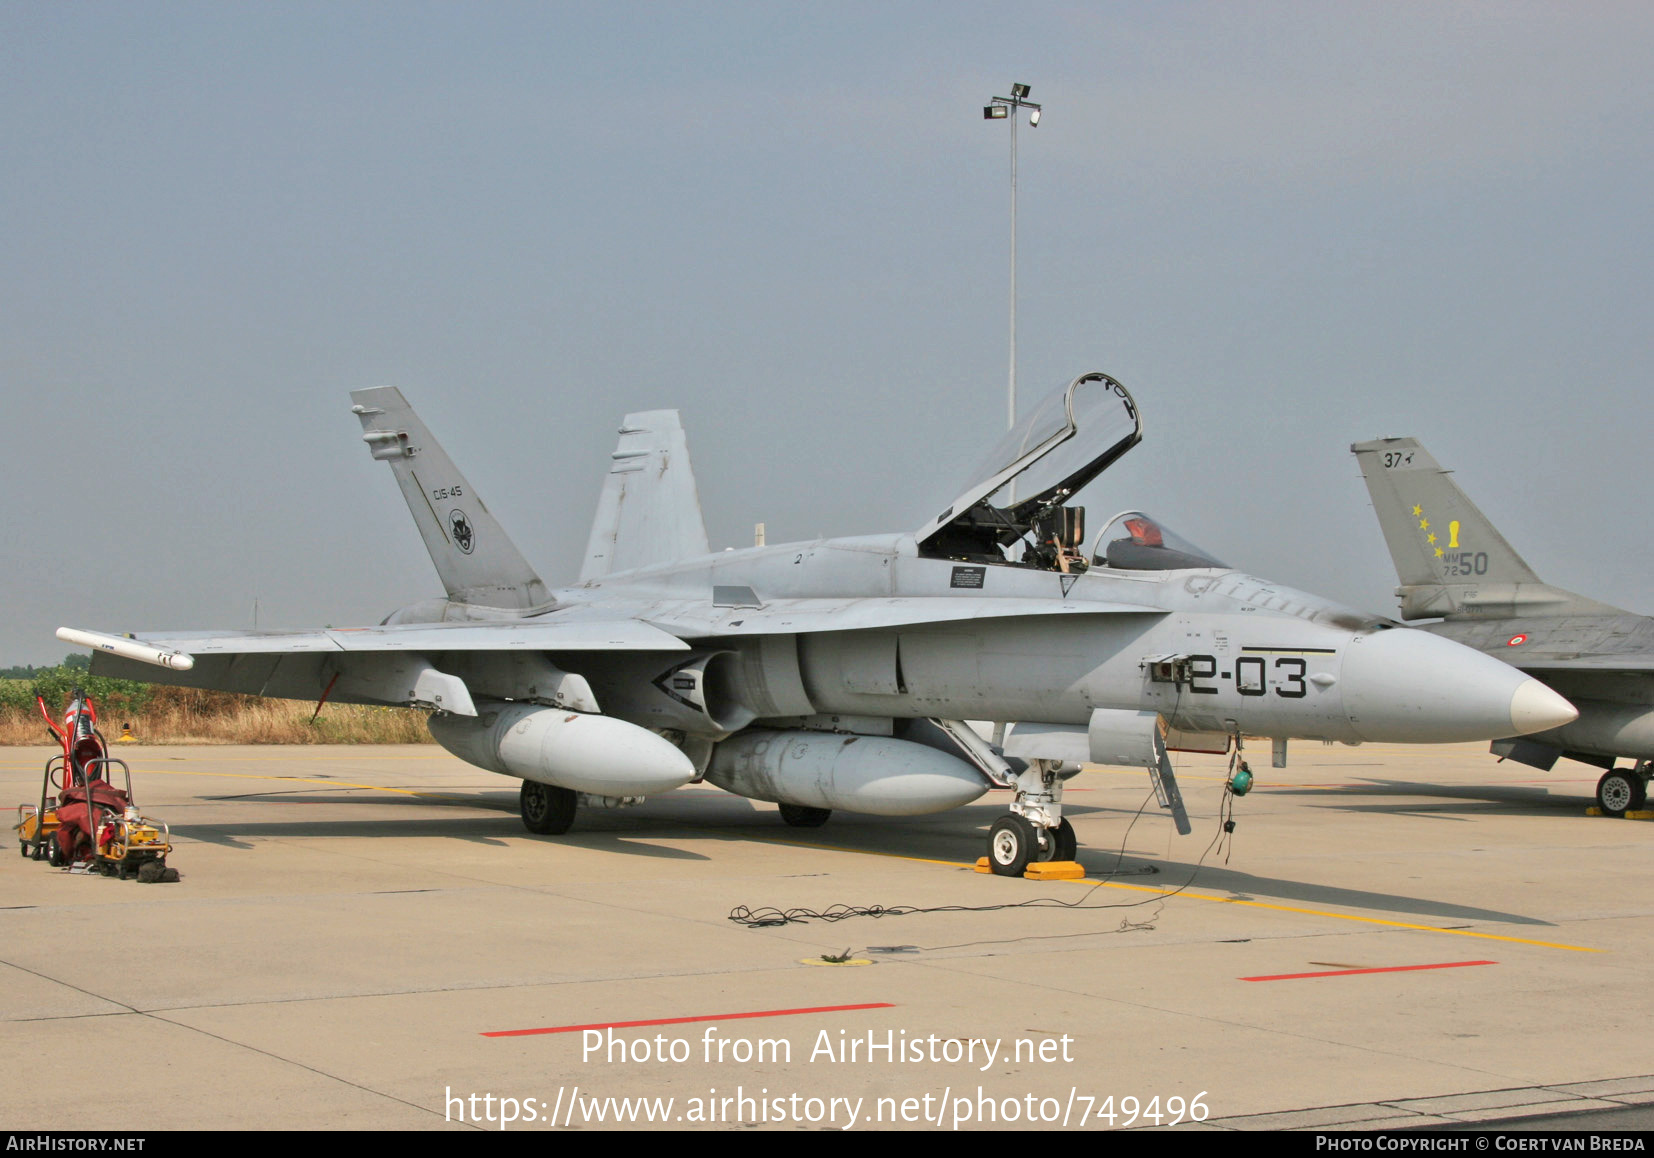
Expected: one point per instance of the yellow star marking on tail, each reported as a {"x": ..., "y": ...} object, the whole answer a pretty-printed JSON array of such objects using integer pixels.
[
  {"x": 1438, "y": 552},
  {"x": 1424, "y": 524},
  {"x": 1431, "y": 538},
  {"x": 1417, "y": 511}
]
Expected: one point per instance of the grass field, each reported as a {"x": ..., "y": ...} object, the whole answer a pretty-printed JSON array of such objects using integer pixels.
[{"x": 189, "y": 716}]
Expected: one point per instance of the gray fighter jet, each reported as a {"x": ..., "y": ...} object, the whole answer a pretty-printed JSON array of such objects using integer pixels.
[
  {"x": 838, "y": 674},
  {"x": 1453, "y": 565}
]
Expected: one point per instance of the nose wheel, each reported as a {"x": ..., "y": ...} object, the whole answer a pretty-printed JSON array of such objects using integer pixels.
[
  {"x": 1014, "y": 842},
  {"x": 1035, "y": 828},
  {"x": 1011, "y": 845},
  {"x": 1622, "y": 790}
]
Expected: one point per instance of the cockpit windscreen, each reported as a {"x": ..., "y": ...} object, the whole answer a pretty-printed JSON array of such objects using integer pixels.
[{"x": 1134, "y": 541}]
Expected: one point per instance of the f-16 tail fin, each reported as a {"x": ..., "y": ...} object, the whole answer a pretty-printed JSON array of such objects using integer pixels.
[
  {"x": 1452, "y": 562},
  {"x": 649, "y": 511},
  {"x": 477, "y": 562}
]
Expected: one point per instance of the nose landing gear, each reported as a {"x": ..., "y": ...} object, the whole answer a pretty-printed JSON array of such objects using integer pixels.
[
  {"x": 1034, "y": 830},
  {"x": 1623, "y": 790}
]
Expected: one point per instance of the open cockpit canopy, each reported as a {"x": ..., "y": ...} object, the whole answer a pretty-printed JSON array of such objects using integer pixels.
[{"x": 1064, "y": 442}]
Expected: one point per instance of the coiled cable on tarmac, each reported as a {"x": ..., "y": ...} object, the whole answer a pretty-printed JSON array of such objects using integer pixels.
[{"x": 769, "y": 917}]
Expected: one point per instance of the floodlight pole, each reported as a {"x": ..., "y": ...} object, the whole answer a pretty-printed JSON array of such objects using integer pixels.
[{"x": 1009, "y": 108}]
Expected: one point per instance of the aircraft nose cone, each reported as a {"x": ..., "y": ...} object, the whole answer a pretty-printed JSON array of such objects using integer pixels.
[
  {"x": 1536, "y": 708},
  {"x": 1410, "y": 687}
]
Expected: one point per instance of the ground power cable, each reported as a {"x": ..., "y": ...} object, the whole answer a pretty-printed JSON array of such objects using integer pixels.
[{"x": 769, "y": 917}]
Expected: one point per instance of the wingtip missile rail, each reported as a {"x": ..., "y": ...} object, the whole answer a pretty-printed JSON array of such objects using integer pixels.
[{"x": 128, "y": 648}]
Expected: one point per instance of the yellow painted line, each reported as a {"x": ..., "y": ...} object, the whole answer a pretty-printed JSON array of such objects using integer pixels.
[
  {"x": 290, "y": 754},
  {"x": 216, "y": 752},
  {"x": 302, "y": 780},
  {"x": 855, "y": 851},
  {"x": 1204, "y": 897},
  {"x": 280, "y": 751},
  {"x": 960, "y": 865},
  {"x": 1181, "y": 774},
  {"x": 1344, "y": 916}
]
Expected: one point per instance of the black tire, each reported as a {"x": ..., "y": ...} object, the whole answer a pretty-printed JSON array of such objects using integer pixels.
[
  {"x": 1011, "y": 845},
  {"x": 546, "y": 810},
  {"x": 800, "y": 816},
  {"x": 1060, "y": 843},
  {"x": 23, "y": 847},
  {"x": 1621, "y": 790},
  {"x": 54, "y": 853}
]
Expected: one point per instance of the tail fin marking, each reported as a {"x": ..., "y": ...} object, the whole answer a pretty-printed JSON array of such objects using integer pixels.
[
  {"x": 1450, "y": 559},
  {"x": 477, "y": 562}
]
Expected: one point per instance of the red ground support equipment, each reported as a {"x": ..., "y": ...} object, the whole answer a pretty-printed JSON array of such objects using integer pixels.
[{"x": 89, "y": 819}]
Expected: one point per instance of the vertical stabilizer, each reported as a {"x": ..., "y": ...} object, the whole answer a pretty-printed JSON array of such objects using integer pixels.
[
  {"x": 649, "y": 511},
  {"x": 1451, "y": 561},
  {"x": 1428, "y": 522},
  {"x": 478, "y": 564}
]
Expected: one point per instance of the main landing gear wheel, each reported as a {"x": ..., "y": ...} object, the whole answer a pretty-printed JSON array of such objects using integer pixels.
[
  {"x": 1011, "y": 845},
  {"x": 1060, "y": 843},
  {"x": 546, "y": 810},
  {"x": 1621, "y": 790},
  {"x": 800, "y": 816}
]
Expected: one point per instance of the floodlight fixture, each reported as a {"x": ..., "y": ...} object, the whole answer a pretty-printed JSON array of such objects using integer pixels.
[
  {"x": 1020, "y": 91},
  {"x": 995, "y": 112},
  {"x": 1033, "y": 117}
]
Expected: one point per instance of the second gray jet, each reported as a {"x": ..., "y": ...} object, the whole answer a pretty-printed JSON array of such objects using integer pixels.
[{"x": 1453, "y": 564}]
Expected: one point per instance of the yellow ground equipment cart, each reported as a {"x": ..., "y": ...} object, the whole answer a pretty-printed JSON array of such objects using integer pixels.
[{"x": 82, "y": 816}]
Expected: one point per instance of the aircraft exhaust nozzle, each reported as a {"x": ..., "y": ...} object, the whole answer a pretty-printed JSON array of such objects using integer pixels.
[
  {"x": 599, "y": 755},
  {"x": 878, "y": 775},
  {"x": 1410, "y": 687},
  {"x": 127, "y": 648}
]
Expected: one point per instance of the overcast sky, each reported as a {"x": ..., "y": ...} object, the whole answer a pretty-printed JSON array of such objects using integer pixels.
[{"x": 1285, "y": 227}]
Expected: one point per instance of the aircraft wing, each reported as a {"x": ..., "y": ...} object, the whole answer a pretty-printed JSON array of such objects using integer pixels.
[
  {"x": 738, "y": 612},
  {"x": 582, "y": 634},
  {"x": 374, "y": 665},
  {"x": 1574, "y": 643},
  {"x": 1585, "y": 663},
  {"x": 658, "y": 626},
  {"x": 394, "y": 664}
]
